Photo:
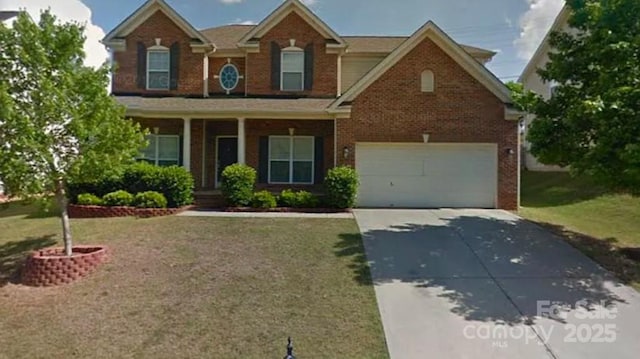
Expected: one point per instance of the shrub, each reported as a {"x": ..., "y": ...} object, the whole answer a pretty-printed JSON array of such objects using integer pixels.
[
  {"x": 98, "y": 186},
  {"x": 287, "y": 198},
  {"x": 300, "y": 199},
  {"x": 88, "y": 199},
  {"x": 306, "y": 199},
  {"x": 118, "y": 198},
  {"x": 174, "y": 183},
  {"x": 263, "y": 199},
  {"x": 341, "y": 187},
  {"x": 150, "y": 199},
  {"x": 237, "y": 184}
]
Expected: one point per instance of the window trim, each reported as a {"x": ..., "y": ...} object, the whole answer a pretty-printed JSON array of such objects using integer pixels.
[
  {"x": 168, "y": 71},
  {"x": 156, "y": 159},
  {"x": 282, "y": 72},
  {"x": 237, "y": 77},
  {"x": 291, "y": 161}
]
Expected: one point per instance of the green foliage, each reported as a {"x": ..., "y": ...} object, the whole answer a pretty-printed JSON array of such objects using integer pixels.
[
  {"x": 524, "y": 100},
  {"x": 341, "y": 187},
  {"x": 58, "y": 120},
  {"x": 108, "y": 183},
  {"x": 592, "y": 123},
  {"x": 300, "y": 199},
  {"x": 175, "y": 183},
  {"x": 264, "y": 200},
  {"x": 118, "y": 198},
  {"x": 287, "y": 198},
  {"x": 237, "y": 185},
  {"x": 88, "y": 199},
  {"x": 150, "y": 199}
]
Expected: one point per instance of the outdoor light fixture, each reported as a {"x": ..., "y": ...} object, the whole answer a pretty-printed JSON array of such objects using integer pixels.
[
  {"x": 292, "y": 131},
  {"x": 425, "y": 137},
  {"x": 156, "y": 130},
  {"x": 510, "y": 151},
  {"x": 345, "y": 152}
]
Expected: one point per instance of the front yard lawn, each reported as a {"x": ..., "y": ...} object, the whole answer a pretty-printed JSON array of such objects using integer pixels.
[
  {"x": 604, "y": 225},
  {"x": 179, "y": 287}
]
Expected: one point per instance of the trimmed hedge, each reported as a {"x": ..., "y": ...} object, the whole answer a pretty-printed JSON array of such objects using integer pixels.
[
  {"x": 150, "y": 199},
  {"x": 174, "y": 183},
  {"x": 88, "y": 199},
  {"x": 264, "y": 200},
  {"x": 118, "y": 199},
  {"x": 341, "y": 187},
  {"x": 237, "y": 185},
  {"x": 300, "y": 199}
]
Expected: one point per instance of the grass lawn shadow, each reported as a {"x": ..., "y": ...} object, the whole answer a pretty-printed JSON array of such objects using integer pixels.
[
  {"x": 351, "y": 245},
  {"x": 12, "y": 255},
  {"x": 27, "y": 209},
  {"x": 624, "y": 262},
  {"x": 550, "y": 189}
]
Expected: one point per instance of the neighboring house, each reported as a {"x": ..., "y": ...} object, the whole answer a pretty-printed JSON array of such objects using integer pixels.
[
  {"x": 533, "y": 82},
  {"x": 8, "y": 15},
  {"x": 421, "y": 119}
]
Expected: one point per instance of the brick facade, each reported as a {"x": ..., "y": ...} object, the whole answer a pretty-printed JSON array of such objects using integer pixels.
[
  {"x": 325, "y": 72},
  {"x": 461, "y": 110},
  {"x": 190, "y": 79},
  {"x": 215, "y": 65},
  {"x": 392, "y": 109}
]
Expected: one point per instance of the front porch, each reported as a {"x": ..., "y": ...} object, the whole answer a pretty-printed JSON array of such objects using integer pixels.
[{"x": 286, "y": 153}]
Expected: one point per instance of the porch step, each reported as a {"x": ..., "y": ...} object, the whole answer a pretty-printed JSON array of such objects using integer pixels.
[{"x": 209, "y": 200}]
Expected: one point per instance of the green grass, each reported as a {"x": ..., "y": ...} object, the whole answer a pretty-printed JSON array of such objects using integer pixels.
[
  {"x": 180, "y": 287},
  {"x": 603, "y": 224}
]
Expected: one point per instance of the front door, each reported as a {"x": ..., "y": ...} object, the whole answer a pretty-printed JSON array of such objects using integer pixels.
[{"x": 227, "y": 154}]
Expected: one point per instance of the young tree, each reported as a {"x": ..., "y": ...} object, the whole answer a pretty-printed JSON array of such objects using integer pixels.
[
  {"x": 57, "y": 120},
  {"x": 592, "y": 122}
]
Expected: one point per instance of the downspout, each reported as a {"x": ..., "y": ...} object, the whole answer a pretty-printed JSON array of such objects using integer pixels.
[{"x": 205, "y": 72}]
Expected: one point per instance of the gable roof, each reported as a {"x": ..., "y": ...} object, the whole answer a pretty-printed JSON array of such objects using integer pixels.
[
  {"x": 285, "y": 9},
  {"x": 6, "y": 15},
  {"x": 456, "y": 52},
  {"x": 226, "y": 37},
  {"x": 143, "y": 13},
  {"x": 543, "y": 48}
]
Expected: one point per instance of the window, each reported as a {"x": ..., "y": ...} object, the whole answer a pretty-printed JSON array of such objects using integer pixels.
[
  {"x": 163, "y": 150},
  {"x": 229, "y": 77},
  {"x": 158, "y": 69},
  {"x": 428, "y": 82},
  {"x": 292, "y": 71},
  {"x": 291, "y": 159}
]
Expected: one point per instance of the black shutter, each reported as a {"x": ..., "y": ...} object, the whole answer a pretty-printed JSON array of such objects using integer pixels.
[
  {"x": 319, "y": 160},
  {"x": 263, "y": 161},
  {"x": 308, "y": 67},
  {"x": 275, "y": 66},
  {"x": 175, "y": 66},
  {"x": 142, "y": 66}
]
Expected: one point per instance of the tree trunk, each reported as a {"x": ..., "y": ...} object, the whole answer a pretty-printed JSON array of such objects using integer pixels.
[{"x": 61, "y": 197}]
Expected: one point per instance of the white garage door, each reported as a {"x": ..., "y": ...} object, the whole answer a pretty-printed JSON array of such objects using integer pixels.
[{"x": 427, "y": 175}]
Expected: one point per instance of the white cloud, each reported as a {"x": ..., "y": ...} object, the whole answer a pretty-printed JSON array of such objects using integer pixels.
[
  {"x": 231, "y": 1},
  {"x": 535, "y": 24},
  {"x": 67, "y": 10},
  {"x": 239, "y": 21},
  {"x": 309, "y": 2}
]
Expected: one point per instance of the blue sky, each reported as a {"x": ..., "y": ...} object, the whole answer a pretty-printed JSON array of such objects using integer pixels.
[{"x": 514, "y": 28}]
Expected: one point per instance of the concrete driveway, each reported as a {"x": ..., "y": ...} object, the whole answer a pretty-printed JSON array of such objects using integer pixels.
[{"x": 486, "y": 284}]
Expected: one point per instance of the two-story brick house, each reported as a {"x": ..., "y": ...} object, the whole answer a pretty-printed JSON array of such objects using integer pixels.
[{"x": 420, "y": 117}]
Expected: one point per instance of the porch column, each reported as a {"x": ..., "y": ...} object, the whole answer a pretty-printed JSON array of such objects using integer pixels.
[
  {"x": 186, "y": 144},
  {"x": 241, "y": 142}
]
